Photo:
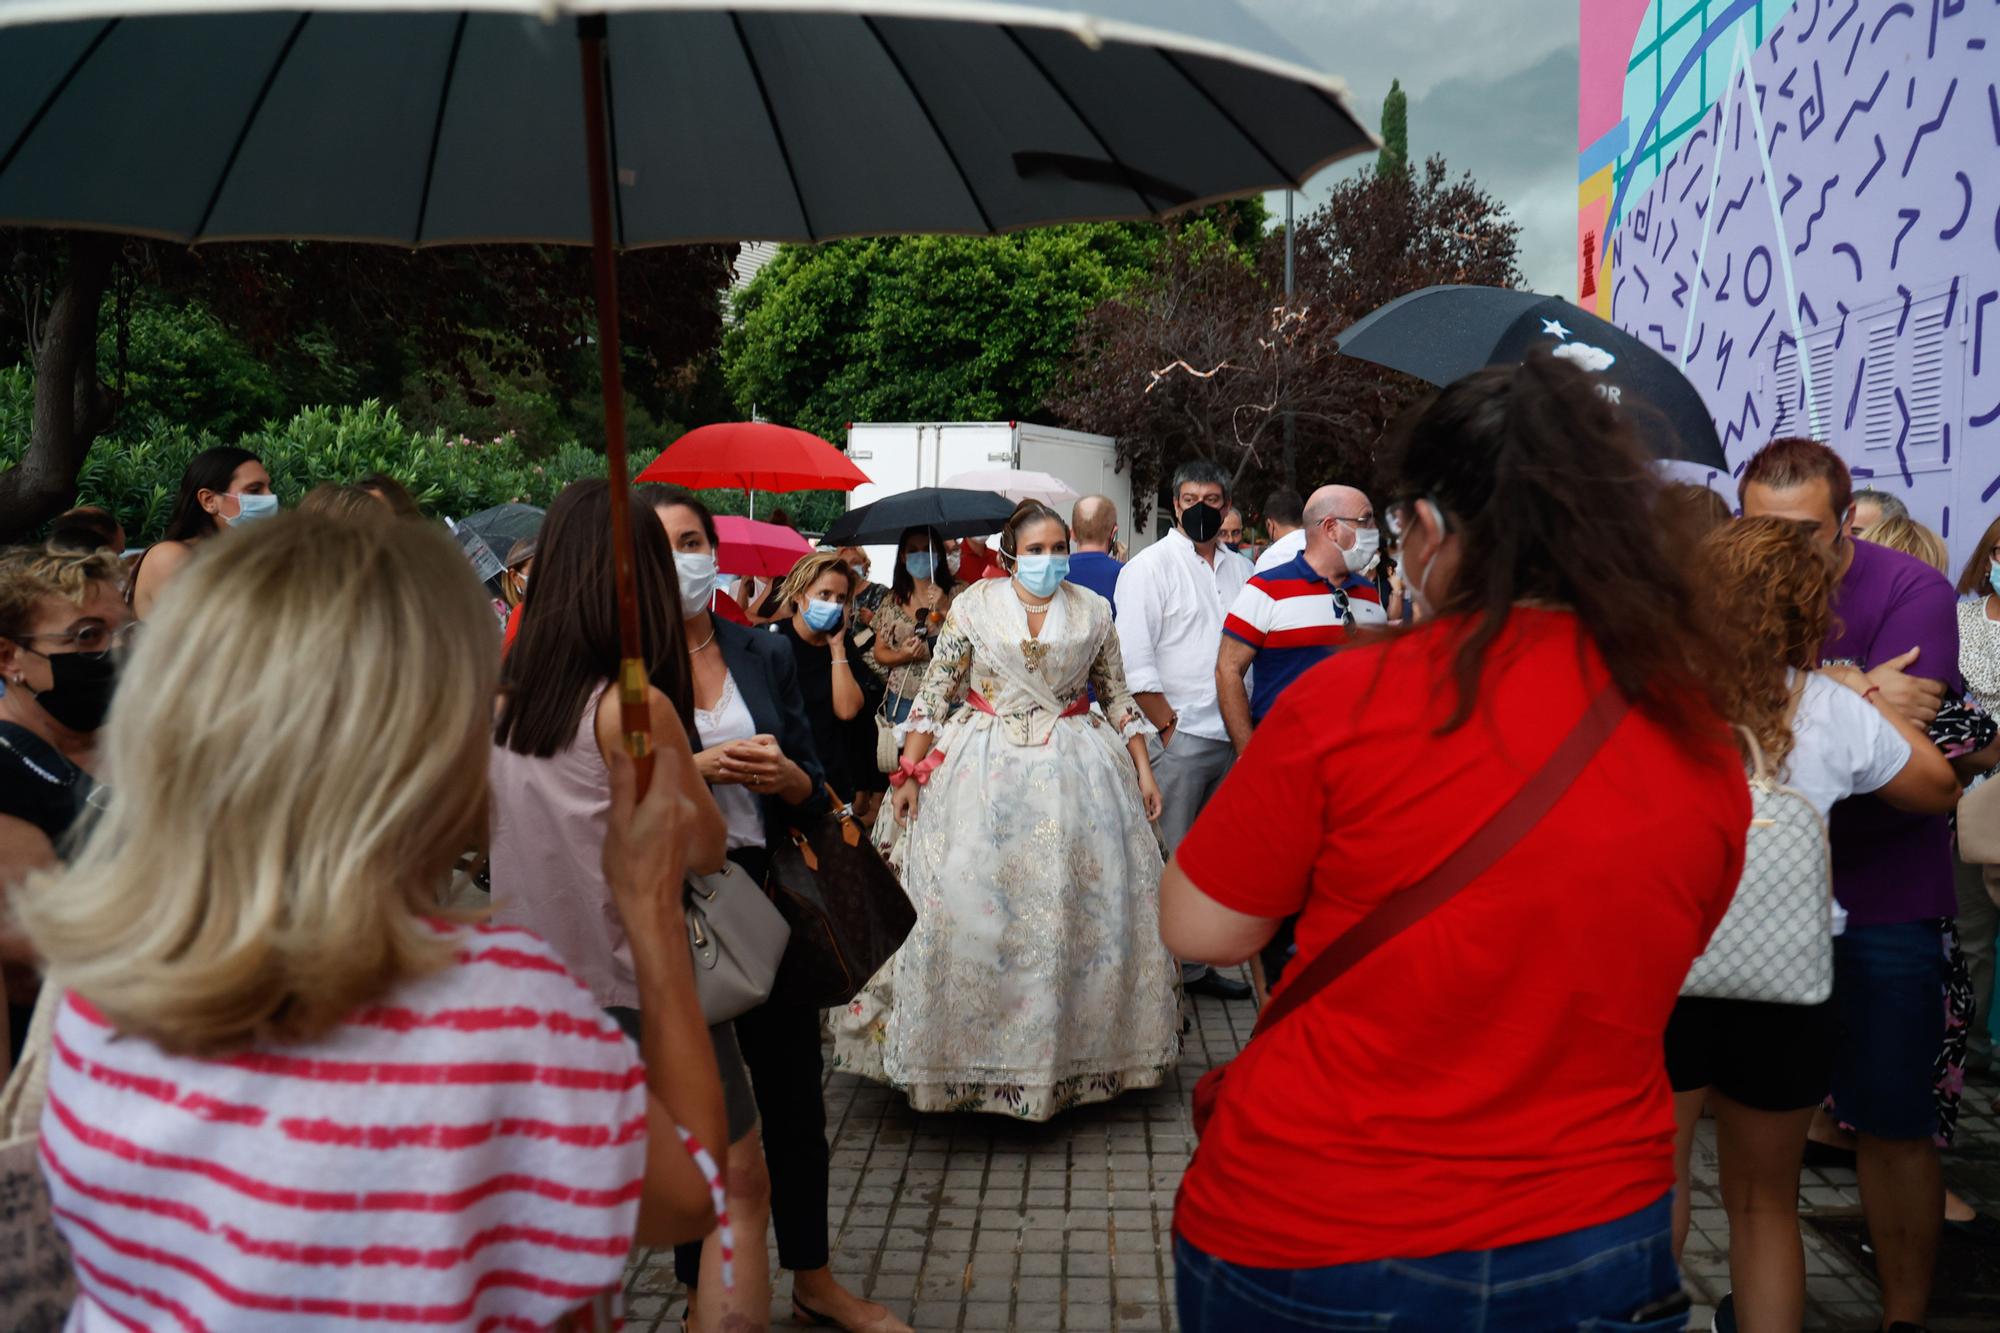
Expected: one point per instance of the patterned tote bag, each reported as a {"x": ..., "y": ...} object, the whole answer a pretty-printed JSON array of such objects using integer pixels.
[{"x": 1775, "y": 944}]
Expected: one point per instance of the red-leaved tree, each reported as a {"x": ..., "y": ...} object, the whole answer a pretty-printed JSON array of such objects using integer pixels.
[{"x": 1203, "y": 358}]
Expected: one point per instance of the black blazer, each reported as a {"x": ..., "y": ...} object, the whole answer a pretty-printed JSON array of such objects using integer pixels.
[{"x": 768, "y": 679}]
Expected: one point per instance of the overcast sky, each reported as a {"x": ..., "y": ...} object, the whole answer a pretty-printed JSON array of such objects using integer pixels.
[{"x": 1492, "y": 86}]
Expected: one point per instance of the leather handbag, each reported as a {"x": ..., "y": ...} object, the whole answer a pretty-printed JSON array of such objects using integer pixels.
[
  {"x": 1979, "y": 824},
  {"x": 847, "y": 910},
  {"x": 1473, "y": 858},
  {"x": 737, "y": 938},
  {"x": 1775, "y": 943}
]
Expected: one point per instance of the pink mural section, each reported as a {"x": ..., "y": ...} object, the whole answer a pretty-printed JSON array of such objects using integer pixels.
[{"x": 1605, "y": 34}]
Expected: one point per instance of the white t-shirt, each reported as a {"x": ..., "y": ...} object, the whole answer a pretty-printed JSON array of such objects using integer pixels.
[
  {"x": 1841, "y": 747},
  {"x": 1285, "y": 548}
]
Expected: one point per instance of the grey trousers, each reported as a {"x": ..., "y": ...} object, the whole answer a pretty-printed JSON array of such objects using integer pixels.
[
  {"x": 1978, "y": 922},
  {"x": 1188, "y": 772}
]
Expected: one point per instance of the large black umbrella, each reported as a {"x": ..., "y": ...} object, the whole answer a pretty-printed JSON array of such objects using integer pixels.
[
  {"x": 1441, "y": 334},
  {"x": 425, "y": 122},
  {"x": 954, "y": 513}
]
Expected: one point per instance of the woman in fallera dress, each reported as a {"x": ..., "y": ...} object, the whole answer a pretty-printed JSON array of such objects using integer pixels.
[{"x": 1035, "y": 979}]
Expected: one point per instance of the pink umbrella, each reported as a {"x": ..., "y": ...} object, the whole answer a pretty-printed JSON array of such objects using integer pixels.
[{"x": 763, "y": 550}]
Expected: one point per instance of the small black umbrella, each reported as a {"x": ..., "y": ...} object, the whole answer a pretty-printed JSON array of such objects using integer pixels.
[
  {"x": 954, "y": 513},
  {"x": 1441, "y": 334}
]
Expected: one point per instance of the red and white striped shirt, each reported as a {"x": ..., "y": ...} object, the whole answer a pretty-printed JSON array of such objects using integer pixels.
[{"x": 466, "y": 1154}]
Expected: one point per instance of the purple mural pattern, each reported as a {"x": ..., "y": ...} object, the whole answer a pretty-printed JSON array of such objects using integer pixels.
[{"x": 1852, "y": 292}]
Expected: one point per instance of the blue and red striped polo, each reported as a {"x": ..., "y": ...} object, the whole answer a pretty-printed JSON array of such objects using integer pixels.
[{"x": 1294, "y": 618}]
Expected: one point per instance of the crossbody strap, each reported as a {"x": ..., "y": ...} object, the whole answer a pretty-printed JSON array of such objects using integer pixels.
[{"x": 1474, "y": 857}]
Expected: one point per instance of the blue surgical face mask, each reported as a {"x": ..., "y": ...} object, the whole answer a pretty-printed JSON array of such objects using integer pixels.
[
  {"x": 1995, "y": 576},
  {"x": 1041, "y": 575},
  {"x": 824, "y": 617},
  {"x": 921, "y": 565},
  {"x": 250, "y": 508}
]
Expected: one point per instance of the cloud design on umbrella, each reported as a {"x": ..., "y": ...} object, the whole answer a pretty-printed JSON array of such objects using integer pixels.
[{"x": 1586, "y": 357}]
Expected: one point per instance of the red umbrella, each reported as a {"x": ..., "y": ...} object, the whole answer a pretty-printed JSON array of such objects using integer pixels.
[
  {"x": 754, "y": 456},
  {"x": 764, "y": 550}
]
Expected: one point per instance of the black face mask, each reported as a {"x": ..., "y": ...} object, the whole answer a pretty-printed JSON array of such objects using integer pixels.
[
  {"x": 79, "y": 694},
  {"x": 1201, "y": 522}
]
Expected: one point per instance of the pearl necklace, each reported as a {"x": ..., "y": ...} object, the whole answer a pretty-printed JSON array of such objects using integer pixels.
[{"x": 1033, "y": 608}]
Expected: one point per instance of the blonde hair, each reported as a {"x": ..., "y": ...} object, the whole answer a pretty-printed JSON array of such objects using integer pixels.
[
  {"x": 337, "y": 501},
  {"x": 1903, "y": 534},
  {"x": 32, "y": 574},
  {"x": 810, "y": 570},
  {"x": 297, "y": 750}
]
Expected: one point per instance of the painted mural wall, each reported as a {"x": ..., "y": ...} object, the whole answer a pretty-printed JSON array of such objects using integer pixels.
[{"x": 1816, "y": 240}]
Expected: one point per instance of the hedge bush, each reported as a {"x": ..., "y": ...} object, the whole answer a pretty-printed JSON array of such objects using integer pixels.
[{"x": 135, "y": 471}]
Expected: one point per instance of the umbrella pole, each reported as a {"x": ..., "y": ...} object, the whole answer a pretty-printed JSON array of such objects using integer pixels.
[{"x": 634, "y": 715}]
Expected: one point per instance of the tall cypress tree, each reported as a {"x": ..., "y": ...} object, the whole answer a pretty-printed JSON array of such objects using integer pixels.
[{"x": 1395, "y": 157}]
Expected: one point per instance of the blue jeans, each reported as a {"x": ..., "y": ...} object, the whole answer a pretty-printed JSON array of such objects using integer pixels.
[{"x": 1602, "y": 1277}]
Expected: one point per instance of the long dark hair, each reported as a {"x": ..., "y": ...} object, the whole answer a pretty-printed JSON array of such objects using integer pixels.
[
  {"x": 1553, "y": 501},
  {"x": 568, "y": 642},
  {"x": 658, "y": 495},
  {"x": 900, "y": 582},
  {"x": 209, "y": 470}
]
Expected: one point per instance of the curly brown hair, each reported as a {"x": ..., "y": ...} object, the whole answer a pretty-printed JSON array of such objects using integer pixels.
[{"x": 1769, "y": 587}]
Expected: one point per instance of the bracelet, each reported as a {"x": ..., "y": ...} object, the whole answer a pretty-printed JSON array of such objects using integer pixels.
[
  {"x": 1870, "y": 691},
  {"x": 840, "y": 661}
]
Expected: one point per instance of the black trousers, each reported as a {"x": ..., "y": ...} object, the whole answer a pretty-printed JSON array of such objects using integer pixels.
[{"x": 780, "y": 1045}]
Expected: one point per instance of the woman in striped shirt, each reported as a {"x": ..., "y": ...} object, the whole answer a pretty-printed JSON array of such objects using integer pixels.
[{"x": 286, "y": 1091}]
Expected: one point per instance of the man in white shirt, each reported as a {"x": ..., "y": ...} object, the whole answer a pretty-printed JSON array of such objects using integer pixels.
[
  {"x": 1285, "y": 520},
  {"x": 1172, "y": 597}
]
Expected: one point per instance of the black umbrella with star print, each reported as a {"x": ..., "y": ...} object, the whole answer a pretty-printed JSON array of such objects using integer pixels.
[{"x": 1441, "y": 334}]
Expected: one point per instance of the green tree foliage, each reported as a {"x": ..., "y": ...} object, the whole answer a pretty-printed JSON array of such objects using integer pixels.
[
  {"x": 133, "y": 342},
  {"x": 1395, "y": 156},
  {"x": 933, "y": 328}
]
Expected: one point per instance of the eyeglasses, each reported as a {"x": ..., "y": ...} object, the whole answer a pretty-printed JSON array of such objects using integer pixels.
[
  {"x": 93, "y": 640},
  {"x": 1363, "y": 521},
  {"x": 1403, "y": 516}
]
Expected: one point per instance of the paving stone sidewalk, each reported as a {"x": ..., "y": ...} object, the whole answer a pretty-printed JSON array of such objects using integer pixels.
[{"x": 976, "y": 1222}]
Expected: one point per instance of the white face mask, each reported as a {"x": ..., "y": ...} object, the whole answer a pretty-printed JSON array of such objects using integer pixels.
[
  {"x": 1415, "y": 580},
  {"x": 1367, "y": 541},
  {"x": 697, "y": 574},
  {"x": 250, "y": 508}
]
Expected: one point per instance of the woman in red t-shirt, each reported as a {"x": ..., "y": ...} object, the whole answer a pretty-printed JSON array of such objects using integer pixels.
[{"x": 1472, "y": 1128}]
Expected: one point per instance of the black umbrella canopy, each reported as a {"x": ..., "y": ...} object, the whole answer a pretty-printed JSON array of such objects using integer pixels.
[
  {"x": 418, "y": 123},
  {"x": 644, "y": 122},
  {"x": 954, "y": 513},
  {"x": 1442, "y": 334}
]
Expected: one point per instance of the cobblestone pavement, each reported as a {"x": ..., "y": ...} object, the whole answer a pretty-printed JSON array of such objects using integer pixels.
[{"x": 976, "y": 1222}]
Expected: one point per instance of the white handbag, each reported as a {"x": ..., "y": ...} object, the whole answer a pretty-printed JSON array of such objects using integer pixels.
[{"x": 1775, "y": 944}]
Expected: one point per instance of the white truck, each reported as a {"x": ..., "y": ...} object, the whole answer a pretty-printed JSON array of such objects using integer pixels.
[{"x": 904, "y": 455}]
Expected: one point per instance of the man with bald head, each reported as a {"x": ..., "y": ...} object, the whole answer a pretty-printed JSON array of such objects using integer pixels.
[
  {"x": 1093, "y": 528},
  {"x": 1293, "y": 616}
]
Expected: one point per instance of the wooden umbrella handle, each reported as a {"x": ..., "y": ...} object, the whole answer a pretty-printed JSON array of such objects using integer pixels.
[{"x": 634, "y": 715}]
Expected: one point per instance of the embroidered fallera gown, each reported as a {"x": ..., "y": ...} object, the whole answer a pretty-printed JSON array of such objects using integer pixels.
[{"x": 1035, "y": 979}]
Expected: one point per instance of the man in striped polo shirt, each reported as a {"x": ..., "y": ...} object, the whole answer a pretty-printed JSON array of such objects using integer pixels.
[{"x": 1293, "y": 616}]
